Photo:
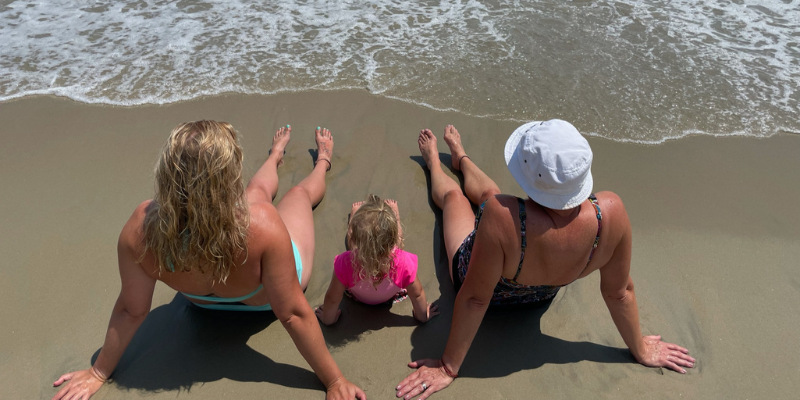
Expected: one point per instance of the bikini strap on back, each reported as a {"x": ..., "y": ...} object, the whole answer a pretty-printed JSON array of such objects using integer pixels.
[
  {"x": 522, "y": 216},
  {"x": 593, "y": 199}
]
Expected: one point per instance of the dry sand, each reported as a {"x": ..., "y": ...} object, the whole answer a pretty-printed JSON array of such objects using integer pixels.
[{"x": 716, "y": 251}]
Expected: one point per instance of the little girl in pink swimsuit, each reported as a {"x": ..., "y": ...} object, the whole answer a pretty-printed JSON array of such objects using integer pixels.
[{"x": 376, "y": 269}]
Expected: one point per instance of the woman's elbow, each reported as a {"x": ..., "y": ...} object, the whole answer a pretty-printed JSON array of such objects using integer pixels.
[
  {"x": 621, "y": 295},
  {"x": 291, "y": 314},
  {"x": 135, "y": 315},
  {"x": 477, "y": 303}
]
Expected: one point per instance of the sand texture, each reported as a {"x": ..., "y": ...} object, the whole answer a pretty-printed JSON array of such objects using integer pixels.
[{"x": 716, "y": 251}]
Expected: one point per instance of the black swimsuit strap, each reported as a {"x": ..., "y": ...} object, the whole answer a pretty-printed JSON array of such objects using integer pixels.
[
  {"x": 593, "y": 199},
  {"x": 522, "y": 216}
]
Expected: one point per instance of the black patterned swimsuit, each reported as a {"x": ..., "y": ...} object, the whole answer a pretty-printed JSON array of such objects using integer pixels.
[{"x": 508, "y": 291}]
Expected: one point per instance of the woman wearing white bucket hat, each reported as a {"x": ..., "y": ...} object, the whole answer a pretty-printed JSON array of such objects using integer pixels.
[{"x": 568, "y": 234}]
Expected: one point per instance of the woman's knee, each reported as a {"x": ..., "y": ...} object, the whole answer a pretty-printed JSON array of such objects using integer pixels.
[
  {"x": 454, "y": 197},
  {"x": 489, "y": 193},
  {"x": 296, "y": 193}
]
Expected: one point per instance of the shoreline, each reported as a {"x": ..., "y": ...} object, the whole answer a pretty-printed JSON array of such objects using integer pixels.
[
  {"x": 716, "y": 243},
  {"x": 361, "y": 91}
]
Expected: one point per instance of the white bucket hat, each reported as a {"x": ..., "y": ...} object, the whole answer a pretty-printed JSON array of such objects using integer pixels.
[{"x": 552, "y": 163}]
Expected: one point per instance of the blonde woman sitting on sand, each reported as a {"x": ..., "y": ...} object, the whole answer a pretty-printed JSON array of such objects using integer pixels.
[
  {"x": 518, "y": 251},
  {"x": 221, "y": 245},
  {"x": 375, "y": 269}
]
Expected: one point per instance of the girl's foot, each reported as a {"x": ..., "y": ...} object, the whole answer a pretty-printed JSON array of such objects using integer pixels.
[
  {"x": 393, "y": 205},
  {"x": 453, "y": 140},
  {"x": 428, "y": 148},
  {"x": 279, "y": 142},
  {"x": 355, "y": 208},
  {"x": 324, "y": 140}
]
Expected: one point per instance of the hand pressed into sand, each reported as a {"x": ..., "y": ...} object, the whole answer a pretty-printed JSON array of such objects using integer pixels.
[
  {"x": 663, "y": 354},
  {"x": 79, "y": 384},
  {"x": 329, "y": 319},
  {"x": 429, "y": 372},
  {"x": 342, "y": 389}
]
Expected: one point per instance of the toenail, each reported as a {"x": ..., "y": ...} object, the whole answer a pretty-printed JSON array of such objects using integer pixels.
[
  {"x": 288, "y": 126},
  {"x": 317, "y": 128}
]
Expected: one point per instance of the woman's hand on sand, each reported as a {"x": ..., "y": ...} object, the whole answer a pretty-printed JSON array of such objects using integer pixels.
[
  {"x": 663, "y": 354},
  {"x": 342, "y": 389},
  {"x": 428, "y": 379},
  {"x": 80, "y": 385},
  {"x": 327, "y": 319},
  {"x": 432, "y": 311}
]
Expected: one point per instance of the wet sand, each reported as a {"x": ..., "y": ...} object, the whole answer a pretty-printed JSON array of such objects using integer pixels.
[{"x": 716, "y": 249}]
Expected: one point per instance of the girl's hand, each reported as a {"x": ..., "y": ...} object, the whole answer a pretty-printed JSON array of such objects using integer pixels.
[
  {"x": 329, "y": 320},
  {"x": 342, "y": 389},
  {"x": 428, "y": 379},
  {"x": 663, "y": 354},
  {"x": 432, "y": 311},
  {"x": 80, "y": 385}
]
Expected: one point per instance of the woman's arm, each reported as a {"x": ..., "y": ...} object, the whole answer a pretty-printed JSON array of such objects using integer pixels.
[
  {"x": 423, "y": 311},
  {"x": 329, "y": 312},
  {"x": 616, "y": 286},
  {"x": 279, "y": 278},
  {"x": 130, "y": 310},
  {"x": 472, "y": 301}
]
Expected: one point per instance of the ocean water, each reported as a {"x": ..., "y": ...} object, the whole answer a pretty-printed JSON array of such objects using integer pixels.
[{"x": 628, "y": 70}]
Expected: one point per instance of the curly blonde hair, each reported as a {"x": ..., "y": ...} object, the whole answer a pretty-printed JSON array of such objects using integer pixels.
[
  {"x": 199, "y": 217},
  {"x": 373, "y": 235}
]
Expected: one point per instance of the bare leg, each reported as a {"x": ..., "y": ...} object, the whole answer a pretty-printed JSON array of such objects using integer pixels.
[
  {"x": 477, "y": 184},
  {"x": 457, "y": 215},
  {"x": 295, "y": 206},
  {"x": 264, "y": 185}
]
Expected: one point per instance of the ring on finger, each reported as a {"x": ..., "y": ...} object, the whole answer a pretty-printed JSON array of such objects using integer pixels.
[{"x": 424, "y": 386}]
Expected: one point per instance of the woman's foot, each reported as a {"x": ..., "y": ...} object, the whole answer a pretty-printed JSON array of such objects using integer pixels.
[
  {"x": 428, "y": 148},
  {"x": 453, "y": 140},
  {"x": 279, "y": 142},
  {"x": 324, "y": 140}
]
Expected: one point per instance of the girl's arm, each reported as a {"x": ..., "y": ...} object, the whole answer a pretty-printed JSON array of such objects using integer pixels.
[
  {"x": 329, "y": 312},
  {"x": 130, "y": 310},
  {"x": 423, "y": 311}
]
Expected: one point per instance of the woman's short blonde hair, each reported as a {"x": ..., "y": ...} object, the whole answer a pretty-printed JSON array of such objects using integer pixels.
[
  {"x": 199, "y": 217},
  {"x": 373, "y": 236}
]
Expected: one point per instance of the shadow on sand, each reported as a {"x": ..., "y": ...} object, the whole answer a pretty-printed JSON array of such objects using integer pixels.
[{"x": 179, "y": 345}]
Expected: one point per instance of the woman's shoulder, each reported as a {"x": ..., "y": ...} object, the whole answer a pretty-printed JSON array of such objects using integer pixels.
[
  {"x": 610, "y": 204},
  {"x": 616, "y": 223},
  {"x": 132, "y": 234}
]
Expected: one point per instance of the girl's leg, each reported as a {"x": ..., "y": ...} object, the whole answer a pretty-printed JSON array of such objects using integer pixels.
[
  {"x": 295, "y": 206},
  {"x": 264, "y": 184},
  {"x": 477, "y": 184},
  {"x": 458, "y": 218}
]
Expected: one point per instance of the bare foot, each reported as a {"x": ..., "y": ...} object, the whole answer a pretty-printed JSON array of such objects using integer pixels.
[
  {"x": 453, "y": 140},
  {"x": 393, "y": 205},
  {"x": 324, "y": 140},
  {"x": 279, "y": 142},
  {"x": 428, "y": 148},
  {"x": 355, "y": 208}
]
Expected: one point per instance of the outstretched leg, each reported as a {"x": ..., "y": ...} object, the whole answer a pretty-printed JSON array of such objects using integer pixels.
[
  {"x": 477, "y": 184},
  {"x": 296, "y": 205},
  {"x": 457, "y": 216},
  {"x": 264, "y": 185}
]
